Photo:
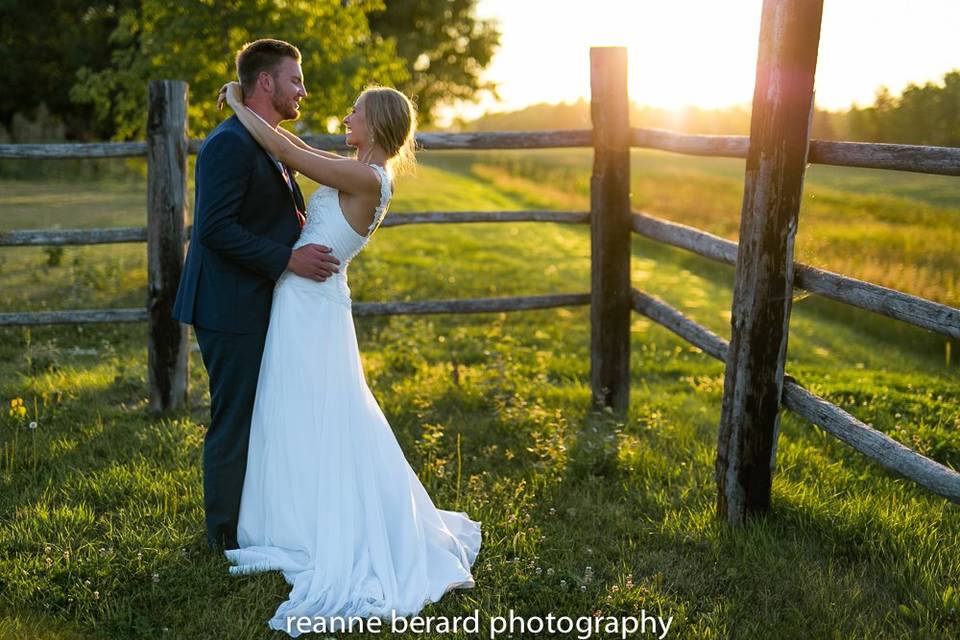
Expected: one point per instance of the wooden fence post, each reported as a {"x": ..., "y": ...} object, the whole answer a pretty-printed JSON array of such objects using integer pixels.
[
  {"x": 763, "y": 289},
  {"x": 168, "y": 347},
  {"x": 610, "y": 233}
]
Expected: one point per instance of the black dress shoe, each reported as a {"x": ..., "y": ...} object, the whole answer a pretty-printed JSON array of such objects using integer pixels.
[{"x": 219, "y": 548}]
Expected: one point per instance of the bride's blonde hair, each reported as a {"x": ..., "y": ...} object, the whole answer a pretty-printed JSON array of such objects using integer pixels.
[{"x": 392, "y": 119}]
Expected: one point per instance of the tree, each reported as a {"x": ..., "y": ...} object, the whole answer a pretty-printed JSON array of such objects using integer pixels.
[
  {"x": 926, "y": 115},
  {"x": 949, "y": 113},
  {"x": 196, "y": 40},
  {"x": 42, "y": 49},
  {"x": 445, "y": 48},
  {"x": 89, "y": 61}
]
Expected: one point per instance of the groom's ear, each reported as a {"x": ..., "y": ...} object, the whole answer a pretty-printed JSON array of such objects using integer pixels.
[{"x": 265, "y": 81}]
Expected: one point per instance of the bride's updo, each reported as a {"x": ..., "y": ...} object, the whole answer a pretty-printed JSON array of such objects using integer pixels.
[{"x": 392, "y": 119}]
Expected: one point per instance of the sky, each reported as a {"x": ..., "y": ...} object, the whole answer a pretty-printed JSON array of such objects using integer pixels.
[{"x": 703, "y": 52}]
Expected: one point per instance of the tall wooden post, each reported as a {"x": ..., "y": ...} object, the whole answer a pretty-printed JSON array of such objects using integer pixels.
[
  {"x": 610, "y": 230},
  {"x": 168, "y": 348},
  {"x": 763, "y": 290}
]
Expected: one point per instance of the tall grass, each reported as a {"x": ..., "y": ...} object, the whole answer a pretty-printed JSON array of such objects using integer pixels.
[{"x": 894, "y": 229}]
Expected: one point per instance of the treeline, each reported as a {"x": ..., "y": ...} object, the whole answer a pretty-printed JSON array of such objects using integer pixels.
[
  {"x": 78, "y": 69},
  {"x": 926, "y": 115},
  {"x": 576, "y": 115}
]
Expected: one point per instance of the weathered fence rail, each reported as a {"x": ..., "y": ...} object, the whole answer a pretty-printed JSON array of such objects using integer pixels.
[
  {"x": 911, "y": 309},
  {"x": 412, "y": 307},
  {"x": 473, "y": 305},
  {"x": 118, "y": 235},
  {"x": 89, "y": 150},
  {"x": 865, "y": 439},
  {"x": 459, "y": 217},
  {"x": 776, "y": 152},
  {"x": 867, "y": 155},
  {"x": 53, "y": 237},
  {"x": 82, "y": 316}
]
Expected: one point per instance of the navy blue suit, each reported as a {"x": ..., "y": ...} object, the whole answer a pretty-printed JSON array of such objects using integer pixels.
[{"x": 245, "y": 223}]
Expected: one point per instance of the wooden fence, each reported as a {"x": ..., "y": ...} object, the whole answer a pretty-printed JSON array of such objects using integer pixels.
[{"x": 777, "y": 152}]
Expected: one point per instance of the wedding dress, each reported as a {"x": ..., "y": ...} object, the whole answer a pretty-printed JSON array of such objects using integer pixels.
[{"x": 329, "y": 498}]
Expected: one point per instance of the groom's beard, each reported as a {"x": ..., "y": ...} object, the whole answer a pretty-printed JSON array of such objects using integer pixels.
[{"x": 285, "y": 105}]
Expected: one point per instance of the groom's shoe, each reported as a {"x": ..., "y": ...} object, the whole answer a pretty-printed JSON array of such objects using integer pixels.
[
  {"x": 218, "y": 549},
  {"x": 219, "y": 546}
]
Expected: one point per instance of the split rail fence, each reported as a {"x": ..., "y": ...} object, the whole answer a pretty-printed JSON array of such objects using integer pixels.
[{"x": 776, "y": 152}]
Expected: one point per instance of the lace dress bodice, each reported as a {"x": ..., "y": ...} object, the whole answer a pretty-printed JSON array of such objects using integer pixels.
[{"x": 327, "y": 225}]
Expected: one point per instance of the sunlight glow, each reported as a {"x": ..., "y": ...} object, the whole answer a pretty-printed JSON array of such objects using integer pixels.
[{"x": 703, "y": 52}]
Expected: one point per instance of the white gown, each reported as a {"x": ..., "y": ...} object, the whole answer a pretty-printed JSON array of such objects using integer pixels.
[{"x": 329, "y": 498}]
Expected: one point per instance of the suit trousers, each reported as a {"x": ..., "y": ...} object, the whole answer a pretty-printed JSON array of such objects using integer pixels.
[{"x": 233, "y": 366}]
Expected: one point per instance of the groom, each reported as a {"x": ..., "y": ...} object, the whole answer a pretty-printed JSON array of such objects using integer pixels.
[{"x": 248, "y": 214}]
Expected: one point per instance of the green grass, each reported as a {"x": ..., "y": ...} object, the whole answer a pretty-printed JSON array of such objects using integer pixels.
[
  {"x": 101, "y": 522},
  {"x": 895, "y": 229}
]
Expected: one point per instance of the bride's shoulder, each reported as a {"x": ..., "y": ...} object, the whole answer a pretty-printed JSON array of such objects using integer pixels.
[{"x": 383, "y": 177}]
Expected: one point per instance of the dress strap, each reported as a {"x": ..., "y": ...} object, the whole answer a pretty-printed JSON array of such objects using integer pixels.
[{"x": 385, "y": 193}]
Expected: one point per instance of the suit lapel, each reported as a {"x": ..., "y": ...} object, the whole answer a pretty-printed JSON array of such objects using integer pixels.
[
  {"x": 279, "y": 176},
  {"x": 296, "y": 196},
  {"x": 273, "y": 163}
]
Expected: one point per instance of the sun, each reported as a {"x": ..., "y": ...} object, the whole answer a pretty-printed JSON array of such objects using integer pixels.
[
  {"x": 699, "y": 54},
  {"x": 680, "y": 53}
]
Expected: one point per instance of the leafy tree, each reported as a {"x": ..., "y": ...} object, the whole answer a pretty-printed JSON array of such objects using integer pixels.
[
  {"x": 927, "y": 115},
  {"x": 445, "y": 48},
  {"x": 949, "y": 110},
  {"x": 89, "y": 61},
  {"x": 42, "y": 49},
  {"x": 195, "y": 40}
]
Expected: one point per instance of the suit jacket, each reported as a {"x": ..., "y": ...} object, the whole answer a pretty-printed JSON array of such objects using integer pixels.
[{"x": 244, "y": 227}]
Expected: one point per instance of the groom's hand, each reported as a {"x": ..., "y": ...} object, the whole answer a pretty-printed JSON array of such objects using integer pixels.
[{"x": 313, "y": 261}]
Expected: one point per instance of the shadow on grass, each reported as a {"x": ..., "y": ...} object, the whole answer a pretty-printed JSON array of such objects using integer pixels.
[{"x": 648, "y": 517}]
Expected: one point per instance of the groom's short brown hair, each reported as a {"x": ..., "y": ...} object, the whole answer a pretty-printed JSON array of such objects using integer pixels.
[{"x": 259, "y": 56}]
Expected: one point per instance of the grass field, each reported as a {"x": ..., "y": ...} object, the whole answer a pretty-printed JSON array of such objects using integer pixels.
[{"x": 101, "y": 523}]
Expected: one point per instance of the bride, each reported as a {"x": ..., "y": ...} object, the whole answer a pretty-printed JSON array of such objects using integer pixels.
[{"x": 329, "y": 498}]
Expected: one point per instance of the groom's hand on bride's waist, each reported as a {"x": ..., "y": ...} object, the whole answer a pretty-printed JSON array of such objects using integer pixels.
[{"x": 313, "y": 261}]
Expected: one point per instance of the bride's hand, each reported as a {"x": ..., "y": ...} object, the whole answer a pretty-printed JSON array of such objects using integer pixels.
[{"x": 232, "y": 94}]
